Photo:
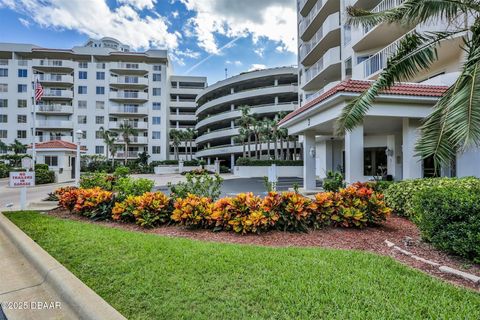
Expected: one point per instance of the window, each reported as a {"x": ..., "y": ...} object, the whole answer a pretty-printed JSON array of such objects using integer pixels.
[
  {"x": 100, "y": 105},
  {"x": 155, "y": 149},
  {"x": 99, "y": 149},
  {"x": 3, "y": 118},
  {"x": 100, "y": 90},
  {"x": 374, "y": 161},
  {"x": 98, "y": 134},
  {"x": 156, "y": 106},
  {"x": 22, "y": 73},
  {"x": 3, "y": 87},
  {"x": 347, "y": 34},
  {"x": 100, "y": 75},
  {"x": 3, "y": 72},
  {"x": 157, "y": 67},
  {"x": 100, "y": 66},
  {"x": 82, "y": 89},
  {"x": 99, "y": 119},
  {"x": 156, "y": 91},
  {"x": 348, "y": 67},
  {"x": 3, "y": 134},
  {"x": 83, "y": 65},
  {"x": 22, "y": 118},
  {"x": 156, "y": 120},
  {"x": 82, "y": 119},
  {"x": 82, "y": 104},
  {"x": 22, "y": 88},
  {"x": 157, "y": 77},
  {"x": 155, "y": 134},
  {"x": 3, "y": 103},
  {"x": 51, "y": 161},
  {"x": 22, "y": 103},
  {"x": 82, "y": 75},
  {"x": 84, "y": 134},
  {"x": 21, "y": 134}
]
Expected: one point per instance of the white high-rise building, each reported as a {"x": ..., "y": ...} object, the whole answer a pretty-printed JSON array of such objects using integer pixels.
[
  {"x": 99, "y": 85},
  {"x": 336, "y": 63}
]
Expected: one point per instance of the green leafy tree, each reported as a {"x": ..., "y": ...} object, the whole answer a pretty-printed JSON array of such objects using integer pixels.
[
  {"x": 245, "y": 123},
  {"x": 17, "y": 147},
  {"x": 109, "y": 138},
  {"x": 127, "y": 130},
  {"x": 176, "y": 139},
  {"x": 454, "y": 123}
]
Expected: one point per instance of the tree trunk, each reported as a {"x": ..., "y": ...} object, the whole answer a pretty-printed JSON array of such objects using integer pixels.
[
  {"x": 288, "y": 149},
  {"x": 275, "y": 147},
  {"x": 281, "y": 148},
  {"x": 301, "y": 151},
  {"x": 268, "y": 147},
  {"x": 244, "y": 149},
  {"x": 249, "y": 146},
  {"x": 126, "y": 153},
  {"x": 256, "y": 145},
  {"x": 294, "y": 148},
  {"x": 260, "y": 146}
]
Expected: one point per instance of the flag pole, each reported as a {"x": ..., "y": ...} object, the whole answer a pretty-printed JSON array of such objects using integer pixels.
[{"x": 34, "y": 135}]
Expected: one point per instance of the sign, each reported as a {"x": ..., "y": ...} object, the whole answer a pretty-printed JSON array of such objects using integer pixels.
[
  {"x": 272, "y": 174},
  {"x": 22, "y": 179}
]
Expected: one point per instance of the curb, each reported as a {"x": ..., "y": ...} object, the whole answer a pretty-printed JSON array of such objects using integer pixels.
[{"x": 84, "y": 302}]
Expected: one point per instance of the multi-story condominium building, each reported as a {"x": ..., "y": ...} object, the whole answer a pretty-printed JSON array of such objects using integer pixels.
[
  {"x": 336, "y": 62},
  {"x": 267, "y": 93},
  {"x": 183, "y": 92},
  {"x": 99, "y": 85}
]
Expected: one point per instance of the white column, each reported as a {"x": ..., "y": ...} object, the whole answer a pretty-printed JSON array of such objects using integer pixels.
[
  {"x": 324, "y": 152},
  {"x": 309, "y": 161},
  {"x": 391, "y": 155},
  {"x": 354, "y": 155},
  {"x": 412, "y": 165},
  {"x": 232, "y": 162}
]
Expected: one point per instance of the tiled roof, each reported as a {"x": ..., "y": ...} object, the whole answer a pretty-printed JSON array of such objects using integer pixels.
[
  {"x": 359, "y": 86},
  {"x": 56, "y": 144}
]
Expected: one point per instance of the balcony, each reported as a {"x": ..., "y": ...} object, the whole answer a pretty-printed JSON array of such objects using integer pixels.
[
  {"x": 129, "y": 67},
  {"x": 128, "y": 110},
  {"x": 55, "y": 79},
  {"x": 327, "y": 69},
  {"x": 316, "y": 17},
  {"x": 133, "y": 140},
  {"x": 139, "y": 125},
  {"x": 54, "y": 124},
  {"x": 129, "y": 81},
  {"x": 216, "y": 134},
  {"x": 326, "y": 37},
  {"x": 54, "y": 109},
  {"x": 183, "y": 116},
  {"x": 57, "y": 94},
  {"x": 53, "y": 138},
  {"x": 128, "y": 95},
  {"x": 304, "y": 6},
  {"x": 53, "y": 65},
  {"x": 130, "y": 154}
]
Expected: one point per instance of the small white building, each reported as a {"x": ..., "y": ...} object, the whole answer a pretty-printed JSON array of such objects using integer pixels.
[
  {"x": 60, "y": 157},
  {"x": 383, "y": 144}
]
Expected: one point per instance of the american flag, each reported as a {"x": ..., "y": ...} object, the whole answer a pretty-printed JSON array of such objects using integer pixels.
[{"x": 38, "y": 91}]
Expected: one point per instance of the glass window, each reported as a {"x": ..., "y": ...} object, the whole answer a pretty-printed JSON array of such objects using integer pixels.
[
  {"x": 3, "y": 118},
  {"x": 82, "y": 89},
  {"x": 347, "y": 34},
  {"x": 374, "y": 161},
  {"x": 156, "y": 106},
  {"x": 82, "y": 104},
  {"x": 22, "y": 73},
  {"x": 22, "y": 118},
  {"x": 22, "y": 103},
  {"x": 157, "y": 67},
  {"x": 156, "y": 120},
  {"x": 99, "y": 149},
  {"x": 82, "y": 119},
  {"x": 348, "y": 67},
  {"x": 100, "y": 90},
  {"x": 3, "y": 87},
  {"x": 3, "y": 134},
  {"x": 155, "y": 149},
  {"x": 100, "y": 75},
  {"x": 3, "y": 72},
  {"x": 21, "y": 134},
  {"x": 83, "y": 65},
  {"x": 82, "y": 74},
  {"x": 51, "y": 161},
  {"x": 156, "y": 91},
  {"x": 22, "y": 88},
  {"x": 3, "y": 103},
  {"x": 99, "y": 119},
  {"x": 100, "y": 105},
  {"x": 157, "y": 77},
  {"x": 155, "y": 134},
  {"x": 98, "y": 134}
]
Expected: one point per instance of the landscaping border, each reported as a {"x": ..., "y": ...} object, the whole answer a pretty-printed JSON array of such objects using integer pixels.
[{"x": 79, "y": 297}]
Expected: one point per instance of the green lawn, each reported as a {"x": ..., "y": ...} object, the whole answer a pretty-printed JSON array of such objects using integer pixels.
[{"x": 152, "y": 277}]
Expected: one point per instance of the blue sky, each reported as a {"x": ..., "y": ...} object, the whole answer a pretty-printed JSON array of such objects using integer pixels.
[{"x": 203, "y": 36}]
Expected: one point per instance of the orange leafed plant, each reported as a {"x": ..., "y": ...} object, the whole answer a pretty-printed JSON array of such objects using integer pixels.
[{"x": 193, "y": 211}]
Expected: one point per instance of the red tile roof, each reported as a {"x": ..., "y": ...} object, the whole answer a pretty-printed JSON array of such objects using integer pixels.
[
  {"x": 359, "y": 86},
  {"x": 56, "y": 144}
]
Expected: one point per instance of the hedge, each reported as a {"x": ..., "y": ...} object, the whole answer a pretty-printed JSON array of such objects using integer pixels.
[
  {"x": 264, "y": 163},
  {"x": 44, "y": 176}
]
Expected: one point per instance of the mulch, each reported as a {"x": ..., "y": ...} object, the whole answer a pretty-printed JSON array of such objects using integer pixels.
[{"x": 396, "y": 229}]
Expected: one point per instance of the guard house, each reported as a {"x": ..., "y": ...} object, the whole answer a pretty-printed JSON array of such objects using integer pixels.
[{"x": 60, "y": 156}]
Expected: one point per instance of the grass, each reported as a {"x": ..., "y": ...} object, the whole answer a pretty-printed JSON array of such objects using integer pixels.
[{"x": 146, "y": 276}]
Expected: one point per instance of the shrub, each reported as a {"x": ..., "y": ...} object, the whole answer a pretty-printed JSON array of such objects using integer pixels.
[
  {"x": 449, "y": 218},
  {"x": 4, "y": 170},
  {"x": 127, "y": 186},
  {"x": 399, "y": 196},
  {"x": 121, "y": 172},
  {"x": 97, "y": 179},
  {"x": 41, "y": 166},
  {"x": 256, "y": 162},
  {"x": 203, "y": 185},
  {"x": 147, "y": 210},
  {"x": 93, "y": 203},
  {"x": 292, "y": 209},
  {"x": 224, "y": 169},
  {"x": 44, "y": 176},
  {"x": 192, "y": 211},
  {"x": 380, "y": 185},
  {"x": 333, "y": 181}
]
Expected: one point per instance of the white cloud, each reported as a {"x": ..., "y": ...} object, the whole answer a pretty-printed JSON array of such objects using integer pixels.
[
  {"x": 236, "y": 63},
  {"x": 189, "y": 53},
  {"x": 96, "y": 19},
  {"x": 175, "y": 14},
  {"x": 139, "y": 4},
  {"x": 257, "y": 66},
  {"x": 259, "y": 51},
  {"x": 270, "y": 19},
  {"x": 24, "y": 22}
]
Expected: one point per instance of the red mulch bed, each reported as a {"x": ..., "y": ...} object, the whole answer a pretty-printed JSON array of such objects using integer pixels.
[{"x": 398, "y": 230}]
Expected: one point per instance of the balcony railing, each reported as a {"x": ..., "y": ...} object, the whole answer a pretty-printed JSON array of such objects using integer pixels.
[
  {"x": 382, "y": 6},
  {"x": 129, "y": 80},
  {"x": 60, "y": 108},
  {"x": 330, "y": 57},
  {"x": 133, "y": 139},
  {"x": 52, "y": 93},
  {"x": 53, "y": 63},
  {"x": 128, "y": 95},
  {"x": 53, "y": 138},
  {"x": 129, "y": 66},
  {"x": 332, "y": 22},
  {"x": 130, "y": 154},
  {"x": 55, "y": 78},
  {"x": 309, "y": 18},
  {"x": 128, "y": 109},
  {"x": 54, "y": 124},
  {"x": 133, "y": 124}
]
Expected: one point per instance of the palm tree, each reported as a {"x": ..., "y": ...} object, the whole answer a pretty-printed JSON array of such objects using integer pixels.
[
  {"x": 240, "y": 138},
  {"x": 245, "y": 122},
  {"x": 191, "y": 136},
  {"x": 3, "y": 145},
  {"x": 176, "y": 138},
  {"x": 256, "y": 129},
  {"x": 282, "y": 135},
  {"x": 109, "y": 138},
  {"x": 267, "y": 133},
  {"x": 454, "y": 124},
  {"x": 127, "y": 131},
  {"x": 17, "y": 147}
]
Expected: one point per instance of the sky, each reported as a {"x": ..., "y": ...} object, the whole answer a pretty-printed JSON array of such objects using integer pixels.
[{"x": 204, "y": 37}]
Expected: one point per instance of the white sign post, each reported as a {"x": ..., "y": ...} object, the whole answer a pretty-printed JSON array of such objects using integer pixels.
[
  {"x": 272, "y": 176},
  {"x": 22, "y": 180}
]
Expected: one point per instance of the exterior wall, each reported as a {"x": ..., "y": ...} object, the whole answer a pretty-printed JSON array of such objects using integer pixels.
[
  {"x": 468, "y": 163},
  {"x": 63, "y": 172},
  {"x": 257, "y": 171}
]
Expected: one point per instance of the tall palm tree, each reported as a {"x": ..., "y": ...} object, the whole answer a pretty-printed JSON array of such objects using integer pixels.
[
  {"x": 17, "y": 147},
  {"x": 191, "y": 136},
  {"x": 454, "y": 124},
  {"x": 240, "y": 138},
  {"x": 3, "y": 145},
  {"x": 176, "y": 138},
  {"x": 127, "y": 130},
  {"x": 267, "y": 133},
  {"x": 109, "y": 138},
  {"x": 245, "y": 122},
  {"x": 256, "y": 129},
  {"x": 282, "y": 135}
]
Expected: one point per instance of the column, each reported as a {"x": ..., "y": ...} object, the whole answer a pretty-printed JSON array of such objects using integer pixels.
[
  {"x": 412, "y": 165},
  {"x": 391, "y": 155},
  {"x": 309, "y": 182},
  {"x": 354, "y": 155},
  {"x": 232, "y": 162}
]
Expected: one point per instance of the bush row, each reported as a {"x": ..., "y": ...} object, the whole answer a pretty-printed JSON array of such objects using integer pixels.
[
  {"x": 355, "y": 206},
  {"x": 256, "y": 162}
]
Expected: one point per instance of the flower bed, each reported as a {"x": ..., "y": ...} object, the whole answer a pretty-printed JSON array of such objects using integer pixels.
[{"x": 355, "y": 206}]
